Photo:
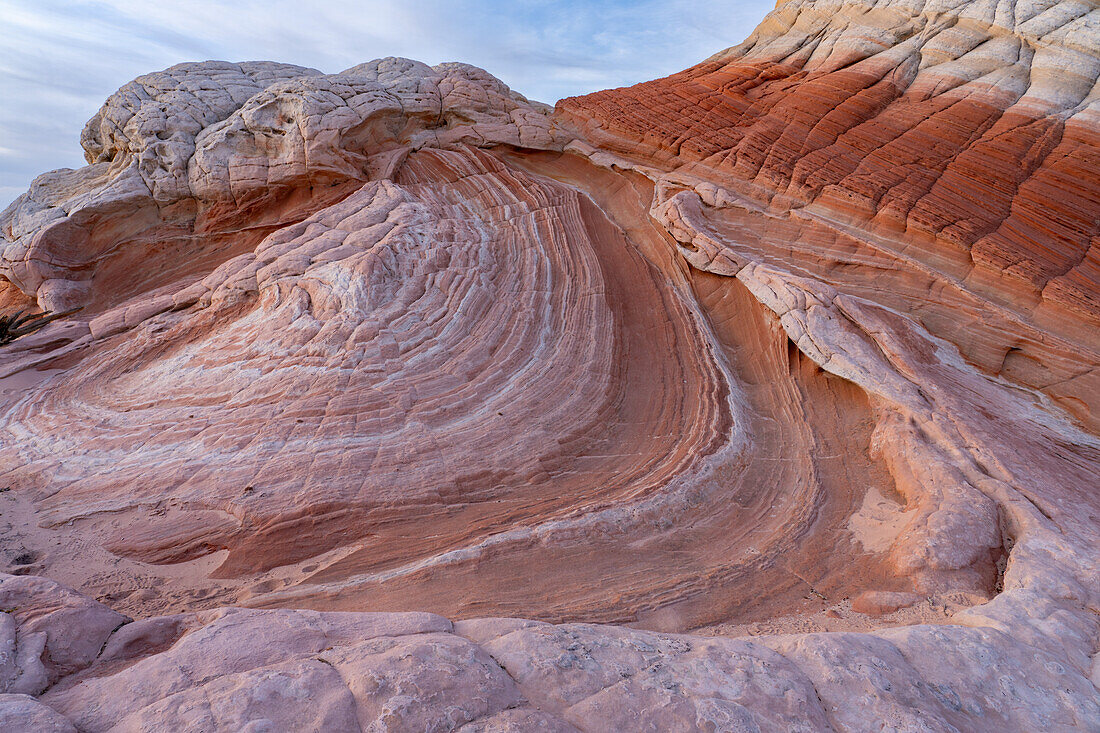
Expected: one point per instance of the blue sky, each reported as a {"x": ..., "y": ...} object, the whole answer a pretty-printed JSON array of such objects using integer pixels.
[{"x": 60, "y": 60}]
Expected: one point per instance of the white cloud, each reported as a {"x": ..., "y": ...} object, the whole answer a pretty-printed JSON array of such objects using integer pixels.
[{"x": 60, "y": 59}]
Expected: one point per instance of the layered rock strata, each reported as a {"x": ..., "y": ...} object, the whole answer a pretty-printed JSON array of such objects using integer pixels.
[
  {"x": 794, "y": 351},
  {"x": 958, "y": 137}
]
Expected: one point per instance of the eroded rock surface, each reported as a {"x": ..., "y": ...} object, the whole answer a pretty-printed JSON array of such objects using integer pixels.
[
  {"x": 958, "y": 137},
  {"x": 788, "y": 361}
]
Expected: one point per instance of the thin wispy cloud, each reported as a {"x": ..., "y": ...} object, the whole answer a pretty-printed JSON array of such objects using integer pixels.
[{"x": 60, "y": 60}]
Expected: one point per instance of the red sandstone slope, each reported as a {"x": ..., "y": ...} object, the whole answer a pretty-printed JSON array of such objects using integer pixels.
[
  {"x": 726, "y": 353},
  {"x": 961, "y": 139}
]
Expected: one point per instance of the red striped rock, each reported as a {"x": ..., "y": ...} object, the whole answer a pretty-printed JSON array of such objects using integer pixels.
[{"x": 965, "y": 143}]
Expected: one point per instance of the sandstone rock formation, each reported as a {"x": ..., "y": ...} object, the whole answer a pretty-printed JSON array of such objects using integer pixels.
[
  {"x": 958, "y": 136},
  {"x": 766, "y": 392}
]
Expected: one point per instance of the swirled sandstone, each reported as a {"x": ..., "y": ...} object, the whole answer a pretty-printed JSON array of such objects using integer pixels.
[{"x": 733, "y": 353}]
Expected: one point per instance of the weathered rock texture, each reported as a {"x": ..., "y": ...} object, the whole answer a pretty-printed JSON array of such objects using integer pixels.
[{"x": 788, "y": 361}]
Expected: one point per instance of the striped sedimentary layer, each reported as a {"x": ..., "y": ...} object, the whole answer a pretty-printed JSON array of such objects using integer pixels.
[
  {"x": 799, "y": 342},
  {"x": 958, "y": 136},
  {"x": 462, "y": 386}
]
